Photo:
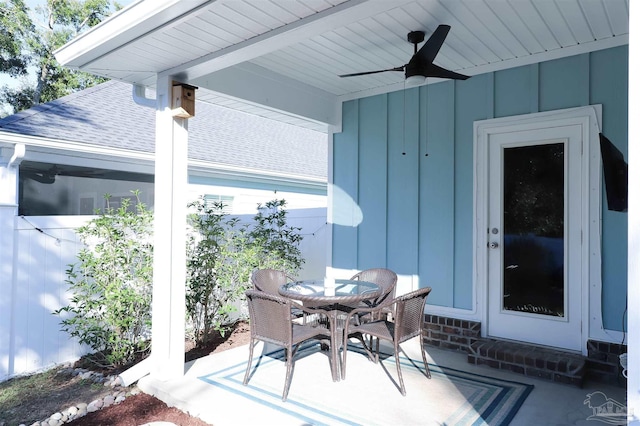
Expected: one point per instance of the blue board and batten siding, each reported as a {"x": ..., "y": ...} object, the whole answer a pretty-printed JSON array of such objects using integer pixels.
[{"x": 418, "y": 210}]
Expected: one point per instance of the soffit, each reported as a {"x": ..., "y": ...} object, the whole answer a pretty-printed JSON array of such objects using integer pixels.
[{"x": 244, "y": 53}]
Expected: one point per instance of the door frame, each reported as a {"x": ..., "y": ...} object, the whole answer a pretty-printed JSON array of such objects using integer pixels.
[{"x": 589, "y": 118}]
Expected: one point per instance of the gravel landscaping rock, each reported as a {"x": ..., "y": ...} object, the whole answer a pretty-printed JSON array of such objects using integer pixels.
[{"x": 118, "y": 395}]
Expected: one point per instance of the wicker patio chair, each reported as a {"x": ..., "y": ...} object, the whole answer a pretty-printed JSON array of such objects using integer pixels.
[
  {"x": 269, "y": 280},
  {"x": 271, "y": 322},
  {"x": 386, "y": 279},
  {"x": 408, "y": 322}
]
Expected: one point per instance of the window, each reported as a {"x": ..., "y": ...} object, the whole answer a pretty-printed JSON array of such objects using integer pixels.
[
  {"x": 226, "y": 200},
  {"x": 52, "y": 189}
]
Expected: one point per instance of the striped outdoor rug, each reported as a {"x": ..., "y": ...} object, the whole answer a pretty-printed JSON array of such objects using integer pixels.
[{"x": 369, "y": 395}]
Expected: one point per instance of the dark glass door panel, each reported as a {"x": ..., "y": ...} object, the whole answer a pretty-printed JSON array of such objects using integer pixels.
[{"x": 533, "y": 247}]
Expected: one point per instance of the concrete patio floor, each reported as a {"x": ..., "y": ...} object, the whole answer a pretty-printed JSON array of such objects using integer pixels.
[{"x": 548, "y": 403}]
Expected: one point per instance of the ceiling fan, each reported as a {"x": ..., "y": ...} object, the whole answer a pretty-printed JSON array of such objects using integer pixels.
[
  {"x": 39, "y": 173},
  {"x": 421, "y": 63}
]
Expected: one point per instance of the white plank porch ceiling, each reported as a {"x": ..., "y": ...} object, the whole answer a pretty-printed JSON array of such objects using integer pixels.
[{"x": 311, "y": 42}]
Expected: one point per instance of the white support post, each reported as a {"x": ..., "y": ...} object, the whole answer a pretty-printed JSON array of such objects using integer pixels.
[
  {"x": 330, "y": 198},
  {"x": 10, "y": 159},
  {"x": 633, "y": 269},
  {"x": 168, "y": 306}
]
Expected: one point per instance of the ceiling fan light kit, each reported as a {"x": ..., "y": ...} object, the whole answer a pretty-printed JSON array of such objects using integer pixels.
[
  {"x": 421, "y": 65},
  {"x": 415, "y": 80}
]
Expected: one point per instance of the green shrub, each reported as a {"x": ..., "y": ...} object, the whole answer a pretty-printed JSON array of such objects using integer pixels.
[
  {"x": 221, "y": 254},
  {"x": 277, "y": 243},
  {"x": 219, "y": 261},
  {"x": 111, "y": 284}
]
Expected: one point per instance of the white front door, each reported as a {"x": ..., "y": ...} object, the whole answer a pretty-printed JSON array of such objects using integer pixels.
[{"x": 534, "y": 236}]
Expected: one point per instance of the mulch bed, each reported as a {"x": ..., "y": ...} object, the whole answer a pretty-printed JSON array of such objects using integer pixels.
[
  {"x": 135, "y": 411},
  {"x": 142, "y": 408}
]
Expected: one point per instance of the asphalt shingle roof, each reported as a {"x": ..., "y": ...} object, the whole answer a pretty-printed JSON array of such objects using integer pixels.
[{"x": 106, "y": 115}]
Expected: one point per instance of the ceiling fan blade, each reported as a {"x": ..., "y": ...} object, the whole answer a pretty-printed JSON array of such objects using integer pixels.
[
  {"x": 372, "y": 72},
  {"x": 436, "y": 71},
  {"x": 431, "y": 47},
  {"x": 421, "y": 63}
]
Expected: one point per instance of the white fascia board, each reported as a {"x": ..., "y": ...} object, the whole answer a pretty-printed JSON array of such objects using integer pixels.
[
  {"x": 70, "y": 158},
  {"x": 45, "y": 150},
  {"x": 227, "y": 171},
  {"x": 260, "y": 86},
  {"x": 75, "y": 147},
  {"x": 128, "y": 24},
  {"x": 74, "y": 153}
]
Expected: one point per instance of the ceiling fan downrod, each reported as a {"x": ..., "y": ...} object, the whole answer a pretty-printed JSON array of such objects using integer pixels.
[{"x": 415, "y": 37}]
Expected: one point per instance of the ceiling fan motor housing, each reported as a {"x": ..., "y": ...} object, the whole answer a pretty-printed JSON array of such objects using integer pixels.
[
  {"x": 415, "y": 37},
  {"x": 413, "y": 68}
]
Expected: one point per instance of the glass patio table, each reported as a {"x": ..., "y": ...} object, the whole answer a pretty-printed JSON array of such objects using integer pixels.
[{"x": 336, "y": 298}]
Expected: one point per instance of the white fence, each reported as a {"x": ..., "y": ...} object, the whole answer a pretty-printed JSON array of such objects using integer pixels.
[{"x": 44, "y": 246}]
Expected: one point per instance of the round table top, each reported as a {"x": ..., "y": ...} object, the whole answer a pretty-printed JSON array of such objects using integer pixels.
[{"x": 343, "y": 291}]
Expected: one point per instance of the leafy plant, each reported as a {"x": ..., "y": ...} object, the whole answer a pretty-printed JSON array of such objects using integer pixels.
[
  {"x": 29, "y": 38},
  {"x": 277, "y": 243},
  {"x": 14, "y": 25},
  {"x": 217, "y": 256},
  {"x": 111, "y": 283},
  {"x": 221, "y": 254}
]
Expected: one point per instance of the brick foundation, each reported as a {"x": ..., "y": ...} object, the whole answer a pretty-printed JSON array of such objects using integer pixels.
[
  {"x": 450, "y": 333},
  {"x": 601, "y": 365},
  {"x": 529, "y": 360},
  {"x": 603, "y": 362}
]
